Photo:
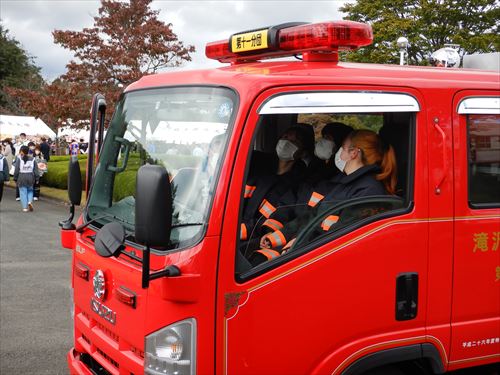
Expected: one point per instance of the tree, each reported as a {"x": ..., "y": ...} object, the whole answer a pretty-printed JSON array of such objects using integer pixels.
[
  {"x": 17, "y": 70},
  {"x": 428, "y": 25},
  {"x": 126, "y": 42}
]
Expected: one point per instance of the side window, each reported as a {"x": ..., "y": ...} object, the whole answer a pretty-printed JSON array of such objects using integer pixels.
[
  {"x": 483, "y": 136},
  {"x": 298, "y": 195}
]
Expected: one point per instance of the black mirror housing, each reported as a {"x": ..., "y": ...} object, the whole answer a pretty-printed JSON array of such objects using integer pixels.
[
  {"x": 153, "y": 206},
  {"x": 109, "y": 240},
  {"x": 74, "y": 182}
]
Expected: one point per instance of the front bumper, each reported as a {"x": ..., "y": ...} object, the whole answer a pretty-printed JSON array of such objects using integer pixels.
[
  {"x": 84, "y": 364},
  {"x": 75, "y": 365}
]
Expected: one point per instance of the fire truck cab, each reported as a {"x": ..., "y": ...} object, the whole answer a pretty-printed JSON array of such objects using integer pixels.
[{"x": 164, "y": 274}]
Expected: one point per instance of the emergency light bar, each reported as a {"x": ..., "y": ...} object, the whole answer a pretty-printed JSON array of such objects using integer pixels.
[{"x": 316, "y": 41}]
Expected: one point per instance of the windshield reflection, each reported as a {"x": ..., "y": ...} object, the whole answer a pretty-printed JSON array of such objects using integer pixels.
[{"x": 182, "y": 129}]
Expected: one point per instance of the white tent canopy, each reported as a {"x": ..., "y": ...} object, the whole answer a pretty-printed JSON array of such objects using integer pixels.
[
  {"x": 12, "y": 126},
  {"x": 69, "y": 133}
]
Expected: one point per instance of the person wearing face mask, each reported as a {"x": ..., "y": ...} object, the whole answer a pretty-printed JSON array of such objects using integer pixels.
[
  {"x": 264, "y": 192},
  {"x": 24, "y": 175},
  {"x": 332, "y": 136},
  {"x": 21, "y": 141},
  {"x": 42, "y": 169},
  {"x": 368, "y": 168},
  {"x": 8, "y": 151}
]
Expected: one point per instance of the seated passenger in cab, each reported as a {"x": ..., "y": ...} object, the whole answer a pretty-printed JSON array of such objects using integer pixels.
[
  {"x": 332, "y": 137},
  {"x": 308, "y": 157},
  {"x": 367, "y": 166},
  {"x": 264, "y": 191},
  {"x": 332, "y": 134}
]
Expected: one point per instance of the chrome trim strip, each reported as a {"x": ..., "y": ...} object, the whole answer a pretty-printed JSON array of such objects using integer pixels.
[
  {"x": 340, "y": 102},
  {"x": 490, "y": 105}
]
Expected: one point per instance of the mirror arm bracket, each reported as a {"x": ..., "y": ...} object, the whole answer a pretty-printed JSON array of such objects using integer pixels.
[
  {"x": 170, "y": 271},
  {"x": 68, "y": 223}
]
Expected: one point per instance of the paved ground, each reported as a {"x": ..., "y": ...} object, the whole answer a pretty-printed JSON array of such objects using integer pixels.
[{"x": 35, "y": 322}]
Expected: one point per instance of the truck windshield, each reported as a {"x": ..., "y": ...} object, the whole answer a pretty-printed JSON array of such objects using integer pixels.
[{"x": 184, "y": 130}]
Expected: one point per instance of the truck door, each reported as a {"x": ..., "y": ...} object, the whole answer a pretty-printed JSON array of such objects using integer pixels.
[
  {"x": 334, "y": 297},
  {"x": 476, "y": 271}
]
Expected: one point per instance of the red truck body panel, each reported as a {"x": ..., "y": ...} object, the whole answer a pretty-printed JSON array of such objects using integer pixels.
[{"x": 324, "y": 310}]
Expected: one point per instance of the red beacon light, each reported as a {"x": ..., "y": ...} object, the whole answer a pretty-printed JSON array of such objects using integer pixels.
[{"x": 316, "y": 42}]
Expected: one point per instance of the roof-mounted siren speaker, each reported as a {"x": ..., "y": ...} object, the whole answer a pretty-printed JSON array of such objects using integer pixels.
[
  {"x": 446, "y": 57},
  {"x": 314, "y": 41}
]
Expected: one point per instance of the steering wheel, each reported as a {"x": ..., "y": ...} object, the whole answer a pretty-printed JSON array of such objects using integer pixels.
[{"x": 393, "y": 201}]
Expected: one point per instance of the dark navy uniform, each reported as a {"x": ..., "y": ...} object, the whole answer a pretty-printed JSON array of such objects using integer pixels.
[
  {"x": 263, "y": 195},
  {"x": 310, "y": 200}
]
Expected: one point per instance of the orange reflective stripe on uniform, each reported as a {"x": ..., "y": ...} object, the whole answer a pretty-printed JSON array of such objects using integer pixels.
[
  {"x": 268, "y": 253},
  {"x": 249, "y": 191},
  {"x": 266, "y": 209},
  {"x": 315, "y": 199},
  {"x": 329, "y": 221},
  {"x": 243, "y": 232},
  {"x": 273, "y": 224},
  {"x": 276, "y": 238}
]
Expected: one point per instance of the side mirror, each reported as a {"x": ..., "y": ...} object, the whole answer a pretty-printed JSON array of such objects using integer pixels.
[
  {"x": 109, "y": 240},
  {"x": 74, "y": 192},
  {"x": 153, "y": 216},
  {"x": 153, "y": 206},
  {"x": 74, "y": 182}
]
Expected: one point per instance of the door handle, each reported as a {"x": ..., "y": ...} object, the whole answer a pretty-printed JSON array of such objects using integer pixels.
[
  {"x": 445, "y": 161},
  {"x": 406, "y": 296}
]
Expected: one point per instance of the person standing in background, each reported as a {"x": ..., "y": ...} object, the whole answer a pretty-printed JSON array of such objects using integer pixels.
[
  {"x": 74, "y": 148},
  {"x": 42, "y": 168},
  {"x": 21, "y": 141},
  {"x": 4, "y": 170},
  {"x": 24, "y": 175},
  {"x": 8, "y": 151},
  {"x": 45, "y": 149},
  {"x": 31, "y": 146}
]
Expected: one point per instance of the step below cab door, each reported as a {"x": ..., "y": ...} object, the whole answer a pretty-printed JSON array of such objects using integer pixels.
[
  {"x": 476, "y": 273},
  {"x": 338, "y": 294}
]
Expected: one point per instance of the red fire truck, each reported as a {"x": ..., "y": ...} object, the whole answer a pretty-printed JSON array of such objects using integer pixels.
[{"x": 163, "y": 279}]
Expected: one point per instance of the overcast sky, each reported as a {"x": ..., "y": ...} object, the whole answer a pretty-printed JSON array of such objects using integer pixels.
[{"x": 195, "y": 22}]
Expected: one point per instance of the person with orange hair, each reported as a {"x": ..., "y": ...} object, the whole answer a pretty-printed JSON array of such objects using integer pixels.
[{"x": 368, "y": 168}]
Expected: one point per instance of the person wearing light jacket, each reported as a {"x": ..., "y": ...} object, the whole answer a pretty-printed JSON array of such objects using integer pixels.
[{"x": 25, "y": 174}]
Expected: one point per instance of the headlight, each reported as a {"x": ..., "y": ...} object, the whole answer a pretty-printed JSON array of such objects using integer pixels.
[{"x": 172, "y": 350}]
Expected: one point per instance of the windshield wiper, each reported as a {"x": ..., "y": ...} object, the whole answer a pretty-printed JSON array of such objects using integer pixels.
[
  {"x": 186, "y": 225},
  {"x": 80, "y": 228}
]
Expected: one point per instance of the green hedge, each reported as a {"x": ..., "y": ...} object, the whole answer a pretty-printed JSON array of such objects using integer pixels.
[
  {"x": 66, "y": 158},
  {"x": 57, "y": 173},
  {"x": 124, "y": 185}
]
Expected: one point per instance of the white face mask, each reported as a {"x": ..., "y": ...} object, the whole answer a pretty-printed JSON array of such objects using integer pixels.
[
  {"x": 285, "y": 150},
  {"x": 324, "y": 148},
  {"x": 339, "y": 163}
]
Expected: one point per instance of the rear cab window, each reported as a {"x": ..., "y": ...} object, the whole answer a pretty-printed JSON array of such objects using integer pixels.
[
  {"x": 313, "y": 202},
  {"x": 483, "y": 136}
]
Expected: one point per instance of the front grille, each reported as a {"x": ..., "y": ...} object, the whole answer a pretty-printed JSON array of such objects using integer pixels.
[
  {"x": 86, "y": 339},
  {"x": 108, "y": 358},
  {"x": 104, "y": 348},
  {"x": 108, "y": 332},
  {"x": 137, "y": 352}
]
